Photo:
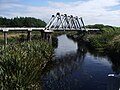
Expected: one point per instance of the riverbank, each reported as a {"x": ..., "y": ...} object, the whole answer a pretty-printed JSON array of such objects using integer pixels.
[
  {"x": 107, "y": 41},
  {"x": 22, "y": 63},
  {"x": 19, "y": 37}
]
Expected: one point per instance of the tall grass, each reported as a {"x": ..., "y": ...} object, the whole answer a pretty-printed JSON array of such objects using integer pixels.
[
  {"x": 21, "y": 65},
  {"x": 114, "y": 48},
  {"x": 101, "y": 40}
]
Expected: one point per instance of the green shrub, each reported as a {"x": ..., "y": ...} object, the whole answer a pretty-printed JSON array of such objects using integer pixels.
[
  {"x": 95, "y": 43},
  {"x": 114, "y": 47},
  {"x": 101, "y": 40},
  {"x": 21, "y": 65}
]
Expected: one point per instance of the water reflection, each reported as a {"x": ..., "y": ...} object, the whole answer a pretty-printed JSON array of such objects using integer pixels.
[
  {"x": 65, "y": 46},
  {"x": 59, "y": 75},
  {"x": 114, "y": 78},
  {"x": 79, "y": 69},
  {"x": 115, "y": 60},
  {"x": 113, "y": 82}
]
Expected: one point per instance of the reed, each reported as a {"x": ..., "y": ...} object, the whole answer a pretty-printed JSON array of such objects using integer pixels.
[{"x": 21, "y": 64}]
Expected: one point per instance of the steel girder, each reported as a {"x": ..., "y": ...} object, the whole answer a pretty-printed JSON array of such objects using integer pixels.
[{"x": 65, "y": 22}]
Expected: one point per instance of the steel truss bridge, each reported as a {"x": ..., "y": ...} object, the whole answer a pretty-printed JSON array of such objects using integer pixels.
[{"x": 58, "y": 22}]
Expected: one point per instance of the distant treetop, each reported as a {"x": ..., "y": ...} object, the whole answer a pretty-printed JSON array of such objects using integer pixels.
[
  {"x": 106, "y": 28},
  {"x": 21, "y": 22}
]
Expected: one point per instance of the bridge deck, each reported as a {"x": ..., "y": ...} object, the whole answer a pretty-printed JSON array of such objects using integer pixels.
[
  {"x": 40, "y": 29},
  {"x": 86, "y": 29},
  {"x": 20, "y": 29}
]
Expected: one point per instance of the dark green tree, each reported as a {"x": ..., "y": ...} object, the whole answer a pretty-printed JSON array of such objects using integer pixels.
[{"x": 21, "y": 22}]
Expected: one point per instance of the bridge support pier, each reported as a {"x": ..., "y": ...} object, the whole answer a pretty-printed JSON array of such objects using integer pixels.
[
  {"x": 5, "y": 38},
  {"x": 48, "y": 37},
  {"x": 42, "y": 35},
  {"x": 28, "y": 35}
]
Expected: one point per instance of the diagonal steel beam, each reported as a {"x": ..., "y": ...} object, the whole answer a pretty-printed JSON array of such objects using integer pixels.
[
  {"x": 79, "y": 26},
  {"x": 50, "y": 22},
  {"x": 82, "y": 23},
  {"x": 64, "y": 22}
]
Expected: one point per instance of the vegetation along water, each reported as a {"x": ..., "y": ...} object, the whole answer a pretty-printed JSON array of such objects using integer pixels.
[
  {"x": 75, "y": 61},
  {"x": 21, "y": 65}
]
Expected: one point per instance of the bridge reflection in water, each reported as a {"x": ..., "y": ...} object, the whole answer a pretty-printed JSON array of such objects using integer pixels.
[
  {"x": 80, "y": 69},
  {"x": 62, "y": 69}
]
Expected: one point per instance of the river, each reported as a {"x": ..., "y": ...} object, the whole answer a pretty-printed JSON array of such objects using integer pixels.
[{"x": 76, "y": 68}]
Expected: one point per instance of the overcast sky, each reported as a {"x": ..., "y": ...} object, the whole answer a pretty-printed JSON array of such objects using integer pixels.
[{"x": 92, "y": 11}]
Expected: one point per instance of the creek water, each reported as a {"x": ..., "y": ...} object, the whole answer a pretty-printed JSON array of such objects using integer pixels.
[{"x": 76, "y": 68}]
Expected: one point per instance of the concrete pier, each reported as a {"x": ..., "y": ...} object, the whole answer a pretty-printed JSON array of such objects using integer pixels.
[
  {"x": 42, "y": 34},
  {"x": 5, "y": 38},
  {"x": 48, "y": 36},
  {"x": 28, "y": 35}
]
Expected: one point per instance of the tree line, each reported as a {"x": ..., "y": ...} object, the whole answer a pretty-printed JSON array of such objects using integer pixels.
[
  {"x": 106, "y": 28},
  {"x": 21, "y": 22}
]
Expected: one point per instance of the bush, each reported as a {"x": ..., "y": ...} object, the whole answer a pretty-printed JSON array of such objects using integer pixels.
[
  {"x": 114, "y": 47},
  {"x": 21, "y": 65},
  {"x": 102, "y": 40}
]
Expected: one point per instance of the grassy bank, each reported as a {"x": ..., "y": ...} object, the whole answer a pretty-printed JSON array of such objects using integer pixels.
[
  {"x": 101, "y": 40},
  {"x": 108, "y": 40},
  {"x": 21, "y": 65},
  {"x": 19, "y": 36}
]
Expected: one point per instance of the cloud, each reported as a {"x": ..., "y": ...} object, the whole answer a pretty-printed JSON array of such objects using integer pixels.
[{"x": 92, "y": 11}]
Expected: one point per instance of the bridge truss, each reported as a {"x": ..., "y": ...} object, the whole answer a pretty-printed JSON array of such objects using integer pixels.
[{"x": 65, "y": 22}]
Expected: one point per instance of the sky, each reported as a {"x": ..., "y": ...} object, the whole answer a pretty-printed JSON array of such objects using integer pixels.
[{"x": 92, "y": 11}]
